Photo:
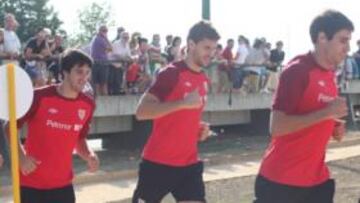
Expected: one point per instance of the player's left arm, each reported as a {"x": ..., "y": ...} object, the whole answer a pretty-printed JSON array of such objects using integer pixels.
[
  {"x": 339, "y": 131},
  {"x": 83, "y": 149},
  {"x": 204, "y": 131},
  {"x": 88, "y": 155}
]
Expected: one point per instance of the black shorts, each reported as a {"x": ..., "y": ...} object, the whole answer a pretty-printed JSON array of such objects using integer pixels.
[
  {"x": 58, "y": 195},
  {"x": 157, "y": 180},
  {"x": 100, "y": 73},
  {"x": 267, "y": 191}
]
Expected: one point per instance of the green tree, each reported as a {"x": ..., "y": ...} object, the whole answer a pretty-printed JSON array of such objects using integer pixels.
[
  {"x": 31, "y": 15},
  {"x": 90, "y": 18}
]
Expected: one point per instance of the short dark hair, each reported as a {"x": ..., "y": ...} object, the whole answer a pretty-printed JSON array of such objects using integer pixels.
[
  {"x": 72, "y": 57},
  {"x": 142, "y": 40},
  {"x": 203, "y": 30},
  {"x": 258, "y": 43},
  {"x": 230, "y": 41},
  {"x": 329, "y": 22},
  {"x": 279, "y": 43},
  {"x": 175, "y": 39},
  {"x": 241, "y": 37}
]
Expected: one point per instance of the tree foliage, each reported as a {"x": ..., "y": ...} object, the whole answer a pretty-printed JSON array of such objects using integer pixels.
[
  {"x": 90, "y": 18},
  {"x": 31, "y": 15}
]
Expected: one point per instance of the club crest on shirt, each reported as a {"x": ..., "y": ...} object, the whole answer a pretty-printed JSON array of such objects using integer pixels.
[{"x": 81, "y": 113}]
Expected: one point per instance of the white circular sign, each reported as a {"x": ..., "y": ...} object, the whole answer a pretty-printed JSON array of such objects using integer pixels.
[{"x": 23, "y": 90}]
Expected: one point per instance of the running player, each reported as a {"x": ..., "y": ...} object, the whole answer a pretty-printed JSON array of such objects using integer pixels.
[
  {"x": 175, "y": 102},
  {"x": 58, "y": 122},
  {"x": 305, "y": 115}
]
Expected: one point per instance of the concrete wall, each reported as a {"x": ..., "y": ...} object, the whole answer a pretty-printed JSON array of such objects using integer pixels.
[
  {"x": 126, "y": 105},
  {"x": 115, "y": 113},
  {"x": 353, "y": 87}
]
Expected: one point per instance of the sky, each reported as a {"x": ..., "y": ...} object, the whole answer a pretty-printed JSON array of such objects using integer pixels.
[{"x": 285, "y": 20}]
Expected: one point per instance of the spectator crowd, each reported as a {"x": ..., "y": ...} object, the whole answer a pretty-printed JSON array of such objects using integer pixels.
[{"x": 129, "y": 63}]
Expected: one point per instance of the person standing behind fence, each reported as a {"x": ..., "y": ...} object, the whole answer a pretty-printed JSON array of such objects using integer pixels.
[
  {"x": 305, "y": 116},
  {"x": 168, "y": 39},
  {"x": 226, "y": 75},
  {"x": 356, "y": 54},
  {"x": 239, "y": 61},
  {"x": 144, "y": 61},
  {"x": 119, "y": 31},
  {"x": 12, "y": 45},
  {"x": 134, "y": 43},
  {"x": 277, "y": 56},
  {"x": 3, "y": 55},
  {"x": 257, "y": 59},
  {"x": 100, "y": 46},
  {"x": 212, "y": 70},
  {"x": 174, "y": 52},
  {"x": 36, "y": 53},
  {"x": 122, "y": 55},
  {"x": 132, "y": 75},
  {"x": 3, "y": 146},
  {"x": 56, "y": 49},
  {"x": 155, "y": 54}
]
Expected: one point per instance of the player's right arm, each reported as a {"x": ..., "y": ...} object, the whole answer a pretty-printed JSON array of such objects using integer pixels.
[
  {"x": 292, "y": 85},
  {"x": 154, "y": 103},
  {"x": 282, "y": 124},
  {"x": 150, "y": 107},
  {"x": 28, "y": 164}
]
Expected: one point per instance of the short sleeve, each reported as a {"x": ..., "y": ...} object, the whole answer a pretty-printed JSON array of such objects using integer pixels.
[
  {"x": 292, "y": 85},
  {"x": 164, "y": 83},
  {"x": 32, "y": 111}
]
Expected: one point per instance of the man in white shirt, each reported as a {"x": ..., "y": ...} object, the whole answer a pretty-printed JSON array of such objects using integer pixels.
[
  {"x": 257, "y": 60},
  {"x": 121, "y": 47},
  {"x": 238, "y": 72},
  {"x": 12, "y": 45},
  {"x": 120, "y": 52},
  {"x": 242, "y": 51}
]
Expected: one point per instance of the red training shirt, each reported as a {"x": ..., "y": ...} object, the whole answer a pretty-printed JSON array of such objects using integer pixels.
[
  {"x": 55, "y": 124},
  {"x": 175, "y": 136},
  {"x": 298, "y": 158}
]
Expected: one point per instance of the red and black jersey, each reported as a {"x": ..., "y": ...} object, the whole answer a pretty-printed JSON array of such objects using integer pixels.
[
  {"x": 175, "y": 136},
  {"x": 298, "y": 158},
  {"x": 55, "y": 124}
]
